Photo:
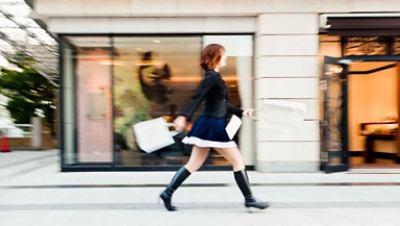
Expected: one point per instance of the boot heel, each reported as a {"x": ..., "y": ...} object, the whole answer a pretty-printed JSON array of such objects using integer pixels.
[
  {"x": 167, "y": 203},
  {"x": 249, "y": 209}
]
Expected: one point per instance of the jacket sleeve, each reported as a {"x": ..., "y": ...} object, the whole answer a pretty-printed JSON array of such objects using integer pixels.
[
  {"x": 232, "y": 108},
  {"x": 208, "y": 81}
]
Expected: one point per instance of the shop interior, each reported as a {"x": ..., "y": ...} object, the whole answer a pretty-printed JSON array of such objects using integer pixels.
[{"x": 373, "y": 110}]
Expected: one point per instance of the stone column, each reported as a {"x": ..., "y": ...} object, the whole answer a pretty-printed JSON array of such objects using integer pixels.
[{"x": 287, "y": 69}]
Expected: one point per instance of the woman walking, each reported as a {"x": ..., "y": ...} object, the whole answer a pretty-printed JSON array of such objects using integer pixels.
[{"x": 208, "y": 131}]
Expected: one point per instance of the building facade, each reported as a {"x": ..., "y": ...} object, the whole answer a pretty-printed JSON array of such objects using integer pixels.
[{"x": 124, "y": 61}]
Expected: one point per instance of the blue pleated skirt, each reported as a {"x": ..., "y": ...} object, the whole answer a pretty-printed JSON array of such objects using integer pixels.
[{"x": 209, "y": 132}]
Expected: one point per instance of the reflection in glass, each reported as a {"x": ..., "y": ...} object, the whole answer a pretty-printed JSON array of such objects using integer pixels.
[{"x": 155, "y": 77}]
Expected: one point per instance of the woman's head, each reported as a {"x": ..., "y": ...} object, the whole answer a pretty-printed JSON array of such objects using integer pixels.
[{"x": 213, "y": 57}]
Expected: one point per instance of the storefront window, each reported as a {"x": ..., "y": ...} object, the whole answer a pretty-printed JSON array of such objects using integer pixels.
[{"x": 123, "y": 80}]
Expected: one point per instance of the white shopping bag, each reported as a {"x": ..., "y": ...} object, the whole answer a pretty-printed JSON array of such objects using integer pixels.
[
  {"x": 152, "y": 135},
  {"x": 281, "y": 115}
]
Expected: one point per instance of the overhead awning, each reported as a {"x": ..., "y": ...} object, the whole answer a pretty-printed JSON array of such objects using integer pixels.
[{"x": 362, "y": 25}]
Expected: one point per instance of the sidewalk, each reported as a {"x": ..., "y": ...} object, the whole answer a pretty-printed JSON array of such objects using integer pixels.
[{"x": 34, "y": 192}]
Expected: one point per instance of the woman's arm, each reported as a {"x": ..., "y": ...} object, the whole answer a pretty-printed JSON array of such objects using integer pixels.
[
  {"x": 205, "y": 85},
  {"x": 233, "y": 109}
]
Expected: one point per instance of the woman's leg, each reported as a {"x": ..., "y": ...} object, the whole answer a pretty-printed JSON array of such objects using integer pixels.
[
  {"x": 235, "y": 158},
  {"x": 197, "y": 158}
]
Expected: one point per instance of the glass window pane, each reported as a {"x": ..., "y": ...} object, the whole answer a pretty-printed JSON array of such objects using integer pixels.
[
  {"x": 153, "y": 77},
  {"x": 68, "y": 107},
  {"x": 92, "y": 64},
  {"x": 238, "y": 75}
]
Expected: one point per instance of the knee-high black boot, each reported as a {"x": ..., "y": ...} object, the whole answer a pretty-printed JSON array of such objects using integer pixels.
[
  {"x": 242, "y": 181},
  {"x": 176, "y": 181}
]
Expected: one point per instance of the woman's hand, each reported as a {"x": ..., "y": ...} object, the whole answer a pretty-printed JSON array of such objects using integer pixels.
[
  {"x": 180, "y": 123},
  {"x": 248, "y": 112}
]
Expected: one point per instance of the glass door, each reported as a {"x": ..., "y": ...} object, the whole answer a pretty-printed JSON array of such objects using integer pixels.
[{"x": 334, "y": 138}]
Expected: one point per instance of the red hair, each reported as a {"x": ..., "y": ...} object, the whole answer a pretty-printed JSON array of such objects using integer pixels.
[{"x": 211, "y": 55}]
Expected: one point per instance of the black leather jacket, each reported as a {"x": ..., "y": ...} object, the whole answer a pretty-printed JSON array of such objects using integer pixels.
[{"x": 214, "y": 91}]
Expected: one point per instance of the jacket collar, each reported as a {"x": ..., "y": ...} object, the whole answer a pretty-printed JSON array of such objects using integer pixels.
[{"x": 212, "y": 70}]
